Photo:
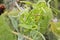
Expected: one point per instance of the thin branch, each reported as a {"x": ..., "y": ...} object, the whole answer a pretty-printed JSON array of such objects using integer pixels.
[
  {"x": 23, "y": 35},
  {"x": 17, "y": 6}
]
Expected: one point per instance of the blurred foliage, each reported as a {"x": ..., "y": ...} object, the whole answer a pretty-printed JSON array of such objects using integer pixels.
[
  {"x": 5, "y": 31},
  {"x": 55, "y": 28},
  {"x": 33, "y": 21},
  {"x": 1, "y": 1}
]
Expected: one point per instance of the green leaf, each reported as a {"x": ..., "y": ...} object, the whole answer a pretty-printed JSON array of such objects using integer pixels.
[
  {"x": 5, "y": 31},
  {"x": 55, "y": 27}
]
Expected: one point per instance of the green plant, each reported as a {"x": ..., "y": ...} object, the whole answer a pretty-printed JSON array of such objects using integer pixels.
[
  {"x": 28, "y": 23},
  {"x": 35, "y": 21}
]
